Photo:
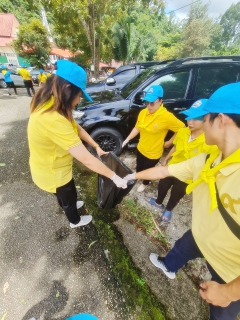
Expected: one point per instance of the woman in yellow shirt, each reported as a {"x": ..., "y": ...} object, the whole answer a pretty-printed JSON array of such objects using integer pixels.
[
  {"x": 55, "y": 138},
  {"x": 188, "y": 143},
  {"x": 153, "y": 124}
]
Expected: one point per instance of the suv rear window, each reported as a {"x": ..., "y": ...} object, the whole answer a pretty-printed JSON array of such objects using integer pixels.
[
  {"x": 210, "y": 79},
  {"x": 174, "y": 84}
]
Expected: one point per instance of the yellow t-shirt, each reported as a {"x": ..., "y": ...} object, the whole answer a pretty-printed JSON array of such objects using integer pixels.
[
  {"x": 42, "y": 77},
  {"x": 153, "y": 129},
  {"x": 4, "y": 72},
  {"x": 218, "y": 244},
  {"x": 50, "y": 136},
  {"x": 186, "y": 149},
  {"x": 25, "y": 74}
]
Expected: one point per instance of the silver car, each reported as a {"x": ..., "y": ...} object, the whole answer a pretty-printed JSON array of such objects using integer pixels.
[{"x": 16, "y": 78}]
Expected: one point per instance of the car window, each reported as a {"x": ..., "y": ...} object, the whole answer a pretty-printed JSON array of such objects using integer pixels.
[
  {"x": 174, "y": 84},
  {"x": 138, "y": 80},
  {"x": 123, "y": 77},
  {"x": 210, "y": 79}
]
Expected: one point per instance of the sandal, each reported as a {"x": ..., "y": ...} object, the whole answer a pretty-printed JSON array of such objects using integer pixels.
[
  {"x": 166, "y": 214},
  {"x": 152, "y": 201}
]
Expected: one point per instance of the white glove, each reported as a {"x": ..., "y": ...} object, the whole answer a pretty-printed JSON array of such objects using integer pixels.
[
  {"x": 125, "y": 142},
  {"x": 119, "y": 182},
  {"x": 129, "y": 177}
]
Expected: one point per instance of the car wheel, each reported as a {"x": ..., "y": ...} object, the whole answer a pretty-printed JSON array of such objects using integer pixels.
[
  {"x": 108, "y": 139},
  {"x": 3, "y": 84}
]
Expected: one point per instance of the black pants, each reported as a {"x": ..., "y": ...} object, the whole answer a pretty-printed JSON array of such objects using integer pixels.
[
  {"x": 67, "y": 199},
  {"x": 11, "y": 85},
  {"x": 186, "y": 249},
  {"x": 28, "y": 85},
  {"x": 177, "y": 192},
  {"x": 144, "y": 163}
]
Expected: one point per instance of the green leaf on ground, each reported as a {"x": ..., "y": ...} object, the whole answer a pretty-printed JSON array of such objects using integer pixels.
[
  {"x": 92, "y": 243},
  {"x": 57, "y": 294},
  {"x": 2, "y": 164},
  {"x": 78, "y": 187},
  {"x": 16, "y": 218}
]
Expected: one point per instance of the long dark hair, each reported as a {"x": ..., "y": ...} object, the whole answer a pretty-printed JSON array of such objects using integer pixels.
[{"x": 63, "y": 92}]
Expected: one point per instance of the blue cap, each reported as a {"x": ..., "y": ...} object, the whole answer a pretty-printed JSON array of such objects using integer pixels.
[
  {"x": 82, "y": 316},
  {"x": 3, "y": 67},
  {"x": 41, "y": 70},
  {"x": 71, "y": 72},
  {"x": 196, "y": 111},
  {"x": 153, "y": 93},
  {"x": 225, "y": 100}
]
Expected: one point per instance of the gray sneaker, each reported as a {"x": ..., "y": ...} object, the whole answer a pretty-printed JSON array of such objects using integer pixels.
[
  {"x": 159, "y": 263},
  {"x": 83, "y": 222}
]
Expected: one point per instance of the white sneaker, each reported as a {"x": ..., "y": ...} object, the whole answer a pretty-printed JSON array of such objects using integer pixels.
[
  {"x": 141, "y": 188},
  {"x": 83, "y": 222},
  {"x": 79, "y": 204},
  {"x": 159, "y": 263}
]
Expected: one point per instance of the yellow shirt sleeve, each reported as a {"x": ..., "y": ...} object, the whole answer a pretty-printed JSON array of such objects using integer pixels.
[
  {"x": 173, "y": 123},
  {"x": 189, "y": 169}
]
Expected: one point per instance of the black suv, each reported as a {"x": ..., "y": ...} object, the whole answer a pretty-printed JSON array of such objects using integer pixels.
[
  {"x": 120, "y": 77},
  {"x": 113, "y": 115}
]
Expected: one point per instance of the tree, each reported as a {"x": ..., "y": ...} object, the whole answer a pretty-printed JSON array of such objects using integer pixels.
[
  {"x": 230, "y": 23},
  {"x": 197, "y": 32},
  {"x": 20, "y": 8},
  {"x": 32, "y": 43}
]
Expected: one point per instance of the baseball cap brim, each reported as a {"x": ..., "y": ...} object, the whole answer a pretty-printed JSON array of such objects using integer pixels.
[
  {"x": 86, "y": 95},
  {"x": 150, "y": 98}
]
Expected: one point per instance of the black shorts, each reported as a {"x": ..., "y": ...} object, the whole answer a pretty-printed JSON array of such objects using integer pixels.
[
  {"x": 10, "y": 84},
  {"x": 28, "y": 83}
]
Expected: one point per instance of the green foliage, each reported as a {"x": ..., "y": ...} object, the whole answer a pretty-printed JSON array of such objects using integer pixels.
[
  {"x": 230, "y": 23},
  {"x": 20, "y": 8},
  {"x": 32, "y": 43}
]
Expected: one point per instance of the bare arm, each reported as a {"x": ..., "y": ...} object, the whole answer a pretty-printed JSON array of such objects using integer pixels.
[
  {"x": 220, "y": 294},
  {"x": 85, "y": 157},
  {"x": 168, "y": 143},
  {"x": 165, "y": 161},
  {"x": 155, "y": 173},
  {"x": 133, "y": 134},
  {"x": 83, "y": 135}
]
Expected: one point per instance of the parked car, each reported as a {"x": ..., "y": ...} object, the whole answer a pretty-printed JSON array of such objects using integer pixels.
[
  {"x": 112, "y": 116},
  {"x": 120, "y": 77},
  {"x": 17, "y": 79},
  {"x": 34, "y": 73}
]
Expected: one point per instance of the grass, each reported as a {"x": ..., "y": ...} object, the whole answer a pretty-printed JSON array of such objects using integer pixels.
[
  {"x": 142, "y": 218},
  {"x": 139, "y": 297}
]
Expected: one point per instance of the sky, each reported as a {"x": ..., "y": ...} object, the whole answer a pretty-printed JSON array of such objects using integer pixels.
[{"x": 216, "y": 7}]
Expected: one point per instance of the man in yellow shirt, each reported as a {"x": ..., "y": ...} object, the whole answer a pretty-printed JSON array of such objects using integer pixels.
[
  {"x": 42, "y": 77},
  {"x": 27, "y": 79},
  {"x": 153, "y": 124},
  {"x": 188, "y": 143},
  {"x": 4, "y": 70},
  {"x": 215, "y": 233}
]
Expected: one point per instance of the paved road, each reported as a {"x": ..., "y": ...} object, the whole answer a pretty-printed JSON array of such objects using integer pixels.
[{"x": 43, "y": 270}]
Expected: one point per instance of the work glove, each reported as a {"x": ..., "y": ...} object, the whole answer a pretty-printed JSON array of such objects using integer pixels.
[
  {"x": 119, "y": 182},
  {"x": 129, "y": 177},
  {"x": 125, "y": 142}
]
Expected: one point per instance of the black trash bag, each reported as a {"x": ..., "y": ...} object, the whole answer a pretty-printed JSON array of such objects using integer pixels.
[{"x": 109, "y": 195}]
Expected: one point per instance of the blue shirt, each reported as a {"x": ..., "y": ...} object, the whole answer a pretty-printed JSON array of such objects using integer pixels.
[{"x": 7, "y": 77}]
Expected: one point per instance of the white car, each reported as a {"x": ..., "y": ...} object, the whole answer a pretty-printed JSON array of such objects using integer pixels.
[{"x": 16, "y": 78}]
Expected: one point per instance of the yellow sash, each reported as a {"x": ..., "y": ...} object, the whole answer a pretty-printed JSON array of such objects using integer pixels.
[
  {"x": 145, "y": 124},
  {"x": 208, "y": 174}
]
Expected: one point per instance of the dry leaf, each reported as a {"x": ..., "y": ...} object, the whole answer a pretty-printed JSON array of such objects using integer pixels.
[
  {"x": 5, "y": 287},
  {"x": 4, "y": 316}
]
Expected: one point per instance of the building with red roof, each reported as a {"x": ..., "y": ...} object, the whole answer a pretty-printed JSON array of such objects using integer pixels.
[{"x": 8, "y": 31}]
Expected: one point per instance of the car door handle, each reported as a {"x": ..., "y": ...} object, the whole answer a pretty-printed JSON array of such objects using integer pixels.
[{"x": 179, "y": 109}]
